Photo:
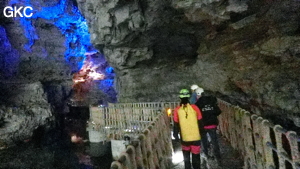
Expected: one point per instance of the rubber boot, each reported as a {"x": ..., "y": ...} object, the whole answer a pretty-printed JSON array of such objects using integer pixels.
[
  {"x": 186, "y": 159},
  {"x": 196, "y": 161}
]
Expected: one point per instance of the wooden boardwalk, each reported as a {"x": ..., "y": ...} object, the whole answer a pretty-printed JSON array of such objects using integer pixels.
[{"x": 231, "y": 159}]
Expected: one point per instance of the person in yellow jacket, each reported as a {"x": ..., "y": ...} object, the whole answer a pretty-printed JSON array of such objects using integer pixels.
[{"x": 188, "y": 123}]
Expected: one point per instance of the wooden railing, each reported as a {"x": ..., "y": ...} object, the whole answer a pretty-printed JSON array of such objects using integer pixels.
[
  {"x": 121, "y": 121},
  {"x": 151, "y": 149},
  {"x": 171, "y": 105},
  {"x": 125, "y": 118},
  {"x": 148, "y": 125},
  {"x": 262, "y": 144}
]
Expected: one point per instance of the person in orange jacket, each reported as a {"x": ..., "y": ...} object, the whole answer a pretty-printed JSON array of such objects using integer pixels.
[{"x": 188, "y": 123}]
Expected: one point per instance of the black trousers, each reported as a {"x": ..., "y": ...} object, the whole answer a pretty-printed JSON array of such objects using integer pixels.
[
  {"x": 214, "y": 140},
  {"x": 187, "y": 160}
]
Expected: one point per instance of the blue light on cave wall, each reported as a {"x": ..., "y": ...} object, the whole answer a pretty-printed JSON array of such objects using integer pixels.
[
  {"x": 65, "y": 15},
  {"x": 9, "y": 57},
  {"x": 71, "y": 23}
]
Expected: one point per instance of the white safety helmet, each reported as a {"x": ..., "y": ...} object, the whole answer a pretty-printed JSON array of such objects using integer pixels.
[
  {"x": 199, "y": 91},
  {"x": 194, "y": 87}
]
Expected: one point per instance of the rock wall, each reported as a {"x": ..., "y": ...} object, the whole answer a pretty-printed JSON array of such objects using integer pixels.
[
  {"x": 41, "y": 45},
  {"x": 32, "y": 54},
  {"x": 38, "y": 57},
  {"x": 246, "y": 52},
  {"x": 25, "y": 109}
]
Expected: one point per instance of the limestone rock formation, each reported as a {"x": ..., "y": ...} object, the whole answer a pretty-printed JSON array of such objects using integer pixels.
[
  {"x": 246, "y": 52},
  {"x": 25, "y": 110},
  {"x": 38, "y": 57}
]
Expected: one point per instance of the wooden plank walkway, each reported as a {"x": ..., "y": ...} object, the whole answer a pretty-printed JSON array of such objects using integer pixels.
[{"x": 231, "y": 159}]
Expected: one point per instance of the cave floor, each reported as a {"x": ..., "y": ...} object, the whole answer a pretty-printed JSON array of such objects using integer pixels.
[{"x": 231, "y": 159}]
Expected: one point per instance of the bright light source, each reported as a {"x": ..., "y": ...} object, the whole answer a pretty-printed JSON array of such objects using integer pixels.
[
  {"x": 88, "y": 72},
  {"x": 177, "y": 157},
  {"x": 129, "y": 130},
  {"x": 169, "y": 111},
  {"x": 83, "y": 80},
  {"x": 76, "y": 139}
]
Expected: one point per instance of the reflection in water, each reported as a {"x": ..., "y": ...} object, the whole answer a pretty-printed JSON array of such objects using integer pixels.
[
  {"x": 76, "y": 139},
  {"x": 59, "y": 147},
  {"x": 90, "y": 155}
]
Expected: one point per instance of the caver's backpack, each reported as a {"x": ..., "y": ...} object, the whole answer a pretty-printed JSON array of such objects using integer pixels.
[
  {"x": 188, "y": 122},
  {"x": 209, "y": 109}
]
